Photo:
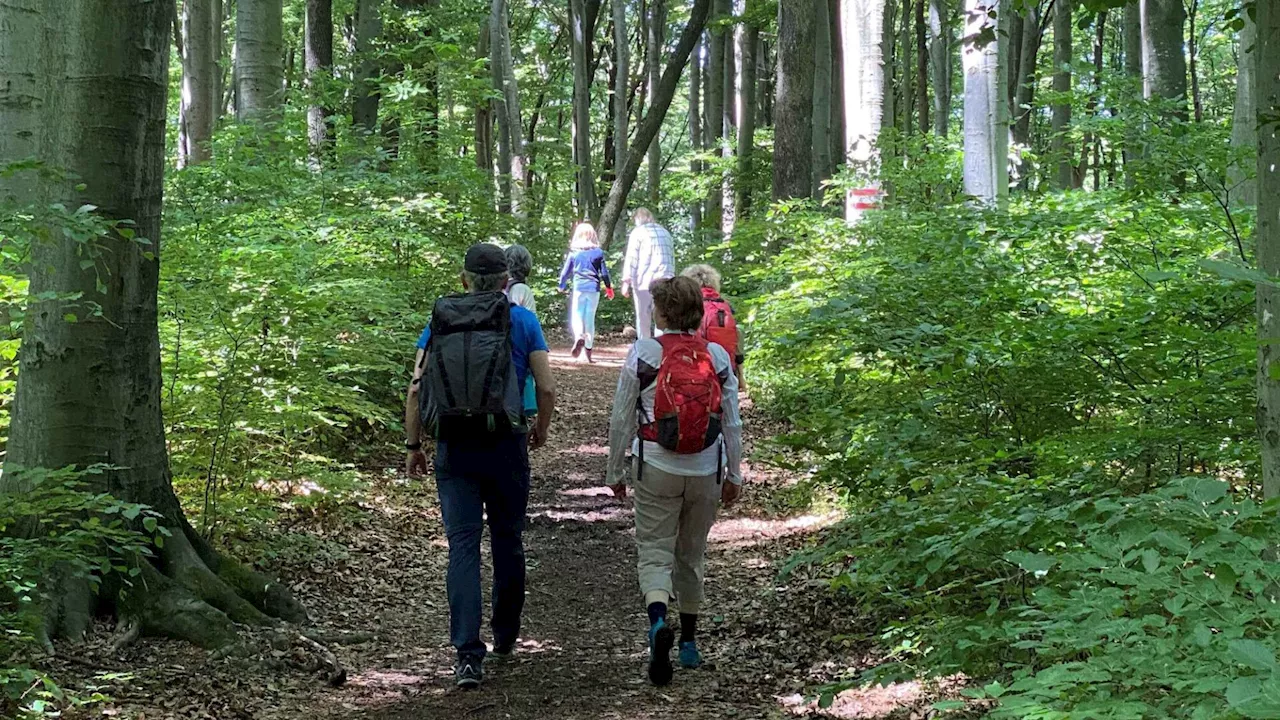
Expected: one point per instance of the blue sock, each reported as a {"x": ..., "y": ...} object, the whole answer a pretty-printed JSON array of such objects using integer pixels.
[{"x": 657, "y": 611}]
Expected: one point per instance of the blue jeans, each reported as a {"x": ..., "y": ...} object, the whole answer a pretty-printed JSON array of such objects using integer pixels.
[{"x": 473, "y": 480}]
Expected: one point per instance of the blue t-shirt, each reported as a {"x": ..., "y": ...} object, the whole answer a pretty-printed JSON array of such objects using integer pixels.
[
  {"x": 526, "y": 339},
  {"x": 587, "y": 268}
]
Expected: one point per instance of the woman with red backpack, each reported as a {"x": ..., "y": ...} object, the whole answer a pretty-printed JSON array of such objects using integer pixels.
[
  {"x": 718, "y": 323},
  {"x": 680, "y": 392}
]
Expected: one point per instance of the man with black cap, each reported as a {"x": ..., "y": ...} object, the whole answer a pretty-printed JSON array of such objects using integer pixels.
[{"x": 473, "y": 359}]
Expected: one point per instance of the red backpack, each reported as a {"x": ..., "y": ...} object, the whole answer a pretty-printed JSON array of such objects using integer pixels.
[
  {"x": 718, "y": 325},
  {"x": 686, "y": 403}
]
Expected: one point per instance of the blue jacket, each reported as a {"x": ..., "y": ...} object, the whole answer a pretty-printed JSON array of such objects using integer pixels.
[{"x": 587, "y": 269}]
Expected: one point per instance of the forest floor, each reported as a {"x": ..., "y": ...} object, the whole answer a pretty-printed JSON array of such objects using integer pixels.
[{"x": 376, "y": 573}]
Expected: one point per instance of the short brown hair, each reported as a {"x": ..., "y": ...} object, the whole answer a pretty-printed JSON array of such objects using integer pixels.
[{"x": 679, "y": 299}]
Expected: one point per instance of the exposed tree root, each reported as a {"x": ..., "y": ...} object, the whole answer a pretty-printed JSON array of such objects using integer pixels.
[
  {"x": 183, "y": 564},
  {"x": 265, "y": 593},
  {"x": 164, "y": 607}
]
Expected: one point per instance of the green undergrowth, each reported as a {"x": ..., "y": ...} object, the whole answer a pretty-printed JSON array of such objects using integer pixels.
[{"x": 1041, "y": 423}]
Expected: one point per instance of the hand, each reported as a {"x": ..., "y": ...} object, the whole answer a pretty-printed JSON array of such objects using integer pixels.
[
  {"x": 608, "y": 293},
  {"x": 619, "y": 491},
  {"x": 729, "y": 493},
  {"x": 415, "y": 463},
  {"x": 537, "y": 437},
  {"x": 626, "y": 289}
]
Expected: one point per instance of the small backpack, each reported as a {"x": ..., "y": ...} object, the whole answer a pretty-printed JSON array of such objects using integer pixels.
[
  {"x": 687, "y": 395},
  {"x": 718, "y": 325},
  {"x": 469, "y": 383}
]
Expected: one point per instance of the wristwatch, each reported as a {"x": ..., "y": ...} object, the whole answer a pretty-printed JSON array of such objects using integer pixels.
[{"x": 412, "y": 447}]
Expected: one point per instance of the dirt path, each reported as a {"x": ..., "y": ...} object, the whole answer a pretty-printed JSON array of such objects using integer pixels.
[{"x": 379, "y": 573}]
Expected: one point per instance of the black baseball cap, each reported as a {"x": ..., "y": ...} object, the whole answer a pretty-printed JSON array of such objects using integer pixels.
[{"x": 485, "y": 259}]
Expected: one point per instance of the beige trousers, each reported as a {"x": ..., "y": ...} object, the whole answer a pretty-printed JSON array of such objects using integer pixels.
[{"x": 674, "y": 515}]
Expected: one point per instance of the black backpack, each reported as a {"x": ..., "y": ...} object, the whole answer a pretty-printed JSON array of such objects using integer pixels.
[{"x": 469, "y": 387}]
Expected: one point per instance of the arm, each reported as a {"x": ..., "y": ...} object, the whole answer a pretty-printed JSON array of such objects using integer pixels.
[
  {"x": 604, "y": 272},
  {"x": 731, "y": 422},
  {"x": 623, "y": 421},
  {"x": 566, "y": 272},
  {"x": 415, "y": 460},
  {"x": 545, "y": 384},
  {"x": 630, "y": 260}
]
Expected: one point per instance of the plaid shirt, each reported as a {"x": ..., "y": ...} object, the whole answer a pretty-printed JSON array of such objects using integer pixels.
[{"x": 649, "y": 256}]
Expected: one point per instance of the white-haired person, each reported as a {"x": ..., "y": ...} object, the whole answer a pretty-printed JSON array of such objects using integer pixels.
[
  {"x": 718, "y": 323},
  {"x": 649, "y": 258},
  {"x": 586, "y": 269}
]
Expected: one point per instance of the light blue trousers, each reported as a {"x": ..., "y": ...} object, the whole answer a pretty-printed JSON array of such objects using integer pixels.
[{"x": 582, "y": 316}]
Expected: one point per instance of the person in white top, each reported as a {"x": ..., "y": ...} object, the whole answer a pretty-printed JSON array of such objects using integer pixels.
[
  {"x": 676, "y": 494},
  {"x": 649, "y": 258}
]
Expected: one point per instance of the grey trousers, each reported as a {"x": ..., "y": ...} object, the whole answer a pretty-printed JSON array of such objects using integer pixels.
[{"x": 674, "y": 515}]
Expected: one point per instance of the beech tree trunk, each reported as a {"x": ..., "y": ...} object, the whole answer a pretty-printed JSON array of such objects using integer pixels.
[
  {"x": 657, "y": 21},
  {"x": 792, "y": 110},
  {"x": 259, "y": 59},
  {"x": 986, "y": 122},
  {"x": 200, "y": 98},
  {"x": 1241, "y": 183},
  {"x": 941, "y": 40},
  {"x": 1061, "y": 123},
  {"x": 622, "y": 87},
  {"x": 88, "y": 391},
  {"x": 1164, "y": 66},
  {"x": 922, "y": 69},
  {"x": 861, "y": 34},
  {"x": 648, "y": 128},
  {"x": 695, "y": 128},
  {"x": 1133, "y": 72},
  {"x": 483, "y": 132},
  {"x": 580, "y": 40},
  {"x": 1025, "y": 86},
  {"x": 716, "y": 99},
  {"x": 366, "y": 93},
  {"x": 1268, "y": 242},
  {"x": 746, "y": 119},
  {"x": 510, "y": 126},
  {"x": 822, "y": 163},
  {"x": 319, "y": 66}
]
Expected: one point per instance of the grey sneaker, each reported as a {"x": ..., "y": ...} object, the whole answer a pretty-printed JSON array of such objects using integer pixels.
[
  {"x": 503, "y": 652},
  {"x": 469, "y": 672}
]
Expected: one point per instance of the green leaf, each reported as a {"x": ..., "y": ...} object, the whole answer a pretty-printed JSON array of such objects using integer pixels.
[
  {"x": 131, "y": 512},
  {"x": 1232, "y": 271},
  {"x": 1252, "y": 653},
  {"x": 1150, "y": 560},
  {"x": 945, "y": 705},
  {"x": 1035, "y": 563},
  {"x": 150, "y": 523},
  {"x": 69, "y": 317},
  {"x": 1242, "y": 690}
]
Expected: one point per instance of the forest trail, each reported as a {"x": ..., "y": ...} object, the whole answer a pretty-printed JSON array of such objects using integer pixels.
[{"x": 582, "y": 654}]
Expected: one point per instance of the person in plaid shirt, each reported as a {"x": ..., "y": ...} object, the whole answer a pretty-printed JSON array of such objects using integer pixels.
[{"x": 649, "y": 258}]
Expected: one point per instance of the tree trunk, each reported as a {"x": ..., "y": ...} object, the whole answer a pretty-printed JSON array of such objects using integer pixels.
[
  {"x": 836, "y": 121},
  {"x": 1164, "y": 67},
  {"x": 484, "y": 114},
  {"x": 922, "y": 69},
  {"x": 695, "y": 130},
  {"x": 714, "y": 116},
  {"x": 888, "y": 41},
  {"x": 1268, "y": 242},
  {"x": 200, "y": 99},
  {"x": 259, "y": 56},
  {"x": 792, "y": 121},
  {"x": 1241, "y": 184},
  {"x": 822, "y": 165},
  {"x": 1017, "y": 34},
  {"x": 728, "y": 118},
  {"x": 88, "y": 391},
  {"x": 764, "y": 84},
  {"x": 986, "y": 123},
  {"x": 864, "y": 74},
  {"x": 1133, "y": 73},
  {"x": 1193, "y": 52},
  {"x": 941, "y": 39},
  {"x": 508, "y": 107},
  {"x": 746, "y": 120},
  {"x": 366, "y": 92},
  {"x": 622, "y": 86},
  {"x": 1061, "y": 122},
  {"x": 657, "y": 21},
  {"x": 580, "y": 41},
  {"x": 1026, "y": 80},
  {"x": 906, "y": 101},
  {"x": 652, "y": 122},
  {"x": 319, "y": 59},
  {"x": 1091, "y": 144}
]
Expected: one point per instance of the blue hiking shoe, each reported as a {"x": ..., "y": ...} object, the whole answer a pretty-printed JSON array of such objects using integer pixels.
[
  {"x": 690, "y": 658},
  {"x": 661, "y": 638}
]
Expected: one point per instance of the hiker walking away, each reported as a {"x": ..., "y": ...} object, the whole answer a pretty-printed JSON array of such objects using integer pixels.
[
  {"x": 649, "y": 258},
  {"x": 585, "y": 267},
  {"x": 519, "y": 265},
  {"x": 718, "y": 323},
  {"x": 681, "y": 393},
  {"x": 482, "y": 444}
]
